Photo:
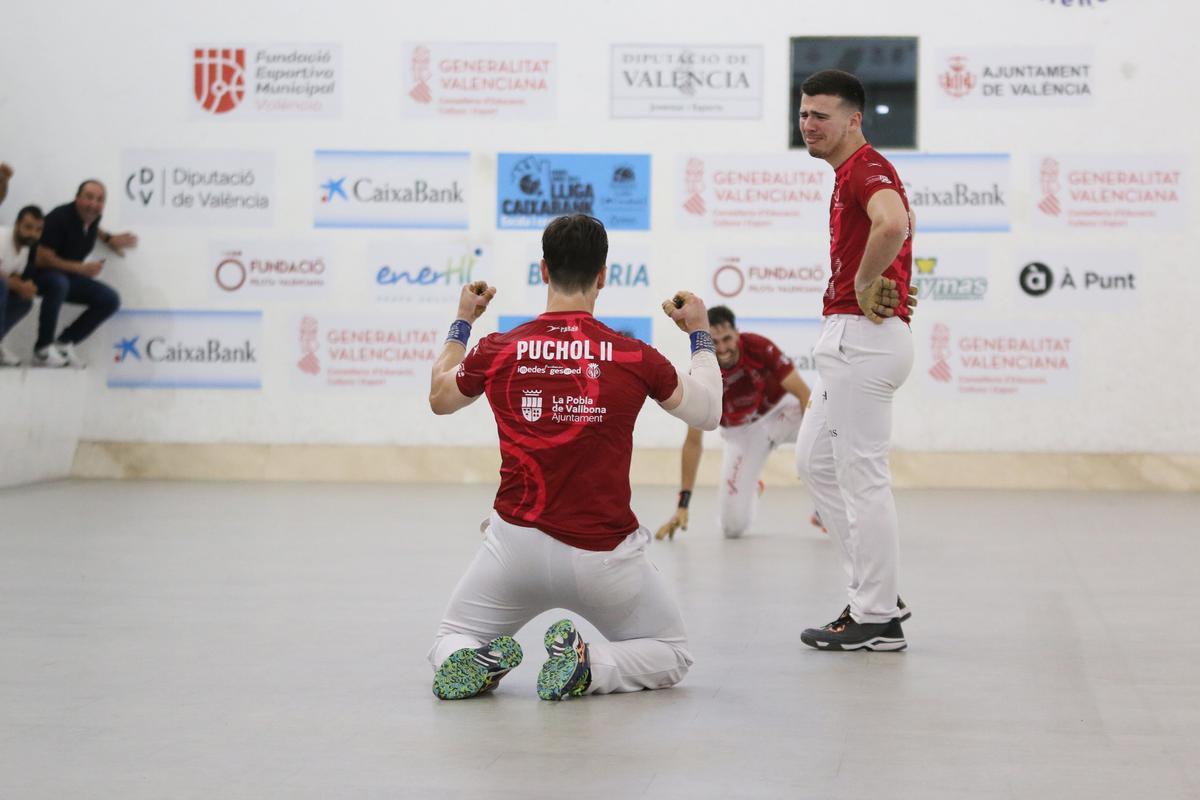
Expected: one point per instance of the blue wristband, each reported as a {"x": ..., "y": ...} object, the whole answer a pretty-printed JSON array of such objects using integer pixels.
[
  {"x": 460, "y": 331},
  {"x": 702, "y": 340}
]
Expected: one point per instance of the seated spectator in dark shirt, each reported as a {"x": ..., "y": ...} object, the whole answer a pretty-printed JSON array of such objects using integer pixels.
[{"x": 62, "y": 275}]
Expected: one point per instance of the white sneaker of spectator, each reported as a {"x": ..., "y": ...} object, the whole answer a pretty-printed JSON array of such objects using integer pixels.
[
  {"x": 8, "y": 358},
  {"x": 72, "y": 358},
  {"x": 49, "y": 356}
]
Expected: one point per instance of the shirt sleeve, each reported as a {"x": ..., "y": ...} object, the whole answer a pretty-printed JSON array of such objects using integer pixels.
[
  {"x": 472, "y": 372},
  {"x": 870, "y": 177},
  {"x": 776, "y": 360},
  {"x": 659, "y": 374}
]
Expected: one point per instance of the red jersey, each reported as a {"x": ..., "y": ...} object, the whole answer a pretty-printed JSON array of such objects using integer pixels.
[
  {"x": 752, "y": 386},
  {"x": 565, "y": 390},
  {"x": 855, "y": 182}
]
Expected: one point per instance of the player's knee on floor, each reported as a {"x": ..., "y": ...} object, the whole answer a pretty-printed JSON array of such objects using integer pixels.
[
  {"x": 684, "y": 661},
  {"x": 735, "y": 525}
]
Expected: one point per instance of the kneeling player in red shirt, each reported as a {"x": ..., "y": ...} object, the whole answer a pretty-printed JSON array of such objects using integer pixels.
[
  {"x": 565, "y": 390},
  {"x": 763, "y": 401}
]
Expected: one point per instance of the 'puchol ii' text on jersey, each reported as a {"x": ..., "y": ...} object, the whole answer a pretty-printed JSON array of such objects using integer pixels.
[{"x": 565, "y": 390}]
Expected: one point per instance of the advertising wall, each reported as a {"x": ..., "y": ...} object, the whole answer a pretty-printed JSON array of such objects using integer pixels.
[{"x": 312, "y": 190}]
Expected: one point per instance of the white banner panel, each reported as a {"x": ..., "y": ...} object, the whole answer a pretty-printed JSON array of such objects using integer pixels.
[
  {"x": 781, "y": 191},
  {"x": 630, "y": 288},
  {"x": 480, "y": 81},
  {"x": 983, "y": 78},
  {"x": 412, "y": 273},
  {"x": 337, "y": 351},
  {"x": 384, "y": 189},
  {"x": 171, "y": 349},
  {"x": 767, "y": 281},
  {"x": 949, "y": 273},
  {"x": 1010, "y": 358},
  {"x": 956, "y": 193},
  {"x": 687, "y": 81},
  {"x": 214, "y": 188},
  {"x": 268, "y": 269},
  {"x": 1114, "y": 192},
  {"x": 1076, "y": 279},
  {"x": 265, "y": 82}
]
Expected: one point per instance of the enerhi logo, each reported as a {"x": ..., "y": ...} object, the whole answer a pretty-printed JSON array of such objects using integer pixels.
[
  {"x": 219, "y": 77},
  {"x": 454, "y": 271}
]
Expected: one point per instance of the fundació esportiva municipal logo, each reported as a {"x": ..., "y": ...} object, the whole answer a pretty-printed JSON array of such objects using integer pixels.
[{"x": 219, "y": 78}]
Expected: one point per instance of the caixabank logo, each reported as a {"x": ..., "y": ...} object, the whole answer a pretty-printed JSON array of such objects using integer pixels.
[
  {"x": 177, "y": 349},
  {"x": 390, "y": 189}
]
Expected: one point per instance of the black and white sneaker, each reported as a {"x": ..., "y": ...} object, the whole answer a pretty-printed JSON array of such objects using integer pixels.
[{"x": 846, "y": 634}]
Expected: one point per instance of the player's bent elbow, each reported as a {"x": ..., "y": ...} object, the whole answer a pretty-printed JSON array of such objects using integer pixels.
[{"x": 438, "y": 405}]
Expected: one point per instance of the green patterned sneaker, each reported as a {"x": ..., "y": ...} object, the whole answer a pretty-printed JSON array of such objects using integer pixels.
[
  {"x": 567, "y": 672},
  {"x": 466, "y": 673}
]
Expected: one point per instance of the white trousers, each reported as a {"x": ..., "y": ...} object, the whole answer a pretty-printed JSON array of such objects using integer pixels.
[
  {"x": 842, "y": 453},
  {"x": 746, "y": 450},
  {"x": 520, "y": 572}
]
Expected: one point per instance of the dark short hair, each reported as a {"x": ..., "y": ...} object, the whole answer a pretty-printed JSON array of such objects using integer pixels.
[
  {"x": 576, "y": 250},
  {"x": 30, "y": 211},
  {"x": 79, "y": 191},
  {"x": 721, "y": 315},
  {"x": 837, "y": 83}
]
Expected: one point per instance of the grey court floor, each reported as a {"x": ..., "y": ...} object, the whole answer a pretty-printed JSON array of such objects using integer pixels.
[{"x": 174, "y": 640}]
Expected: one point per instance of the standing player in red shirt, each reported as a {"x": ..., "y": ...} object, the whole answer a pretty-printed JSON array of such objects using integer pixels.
[
  {"x": 565, "y": 390},
  {"x": 863, "y": 356},
  {"x": 763, "y": 401}
]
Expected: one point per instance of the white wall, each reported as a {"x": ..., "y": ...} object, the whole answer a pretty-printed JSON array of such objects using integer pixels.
[{"x": 87, "y": 81}]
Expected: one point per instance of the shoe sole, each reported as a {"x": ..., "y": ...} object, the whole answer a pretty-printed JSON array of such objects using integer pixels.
[
  {"x": 881, "y": 644},
  {"x": 560, "y": 671},
  {"x": 460, "y": 676}
]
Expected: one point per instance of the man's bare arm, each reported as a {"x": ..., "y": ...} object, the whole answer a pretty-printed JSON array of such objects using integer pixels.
[{"x": 444, "y": 395}]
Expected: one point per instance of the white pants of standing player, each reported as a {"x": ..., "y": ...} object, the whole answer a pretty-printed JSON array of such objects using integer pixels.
[
  {"x": 842, "y": 452},
  {"x": 746, "y": 450},
  {"x": 520, "y": 572}
]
